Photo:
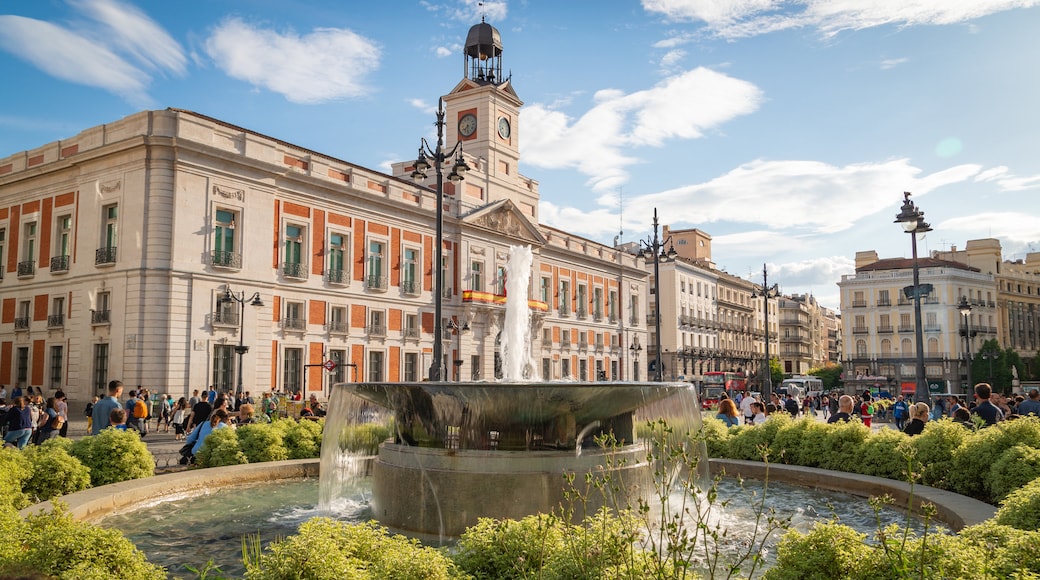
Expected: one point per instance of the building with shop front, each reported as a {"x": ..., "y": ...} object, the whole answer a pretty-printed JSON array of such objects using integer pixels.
[{"x": 120, "y": 245}]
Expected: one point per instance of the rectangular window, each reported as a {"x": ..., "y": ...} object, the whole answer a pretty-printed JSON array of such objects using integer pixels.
[
  {"x": 583, "y": 301},
  {"x": 63, "y": 244},
  {"x": 100, "y": 314},
  {"x": 106, "y": 254},
  {"x": 292, "y": 370},
  {"x": 633, "y": 307},
  {"x": 411, "y": 367},
  {"x": 338, "y": 319},
  {"x": 597, "y": 304},
  {"x": 376, "y": 323},
  {"x": 410, "y": 272},
  {"x": 100, "y": 368},
  {"x": 476, "y": 276},
  {"x": 292, "y": 259},
  {"x": 564, "y": 305},
  {"x": 223, "y": 367},
  {"x": 583, "y": 370},
  {"x": 565, "y": 368},
  {"x": 57, "y": 364},
  {"x": 338, "y": 374},
  {"x": 411, "y": 326},
  {"x": 225, "y": 248},
  {"x": 474, "y": 367},
  {"x": 294, "y": 318},
  {"x": 376, "y": 275},
  {"x": 56, "y": 319},
  {"x": 545, "y": 291},
  {"x": 445, "y": 277},
  {"x": 500, "y": 281},
  {"x": 27, "y": 265},
  {"x": 3, "y": 241},
  {"x": 374, "y": 369},
  {"x": 547, "y": 369},
  {"x": 22, "y": 320},
  {"x": 338, "y": 271},
  {"x": 22, "y": 366}
]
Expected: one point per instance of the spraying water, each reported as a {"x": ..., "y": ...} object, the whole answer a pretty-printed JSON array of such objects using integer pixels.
[{"x": 516, "y": 331}]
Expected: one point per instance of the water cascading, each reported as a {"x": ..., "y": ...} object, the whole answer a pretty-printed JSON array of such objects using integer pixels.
[{"x": 440, "y": 455}]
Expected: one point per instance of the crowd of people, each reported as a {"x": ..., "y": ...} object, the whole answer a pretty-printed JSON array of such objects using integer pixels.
[
  {"x": 29, "y": 418},
  {"x": 986, "y": 408}
]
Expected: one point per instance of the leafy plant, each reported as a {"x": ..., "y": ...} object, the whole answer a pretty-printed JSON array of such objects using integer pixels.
[
  {"x": 15, "y": 469},
  {"x": 114, "y": 456},
  {"x": 1021, "y": 508},
  {"x": 1013, "y": 469},
  {"x": 934, "y": 450},
  {"x": 220, "y": 448},
  {"x": 54, "y": 472},
  {"x": 262, "y": 442},
  {"x": 303, "y": 438},
  {"x": 880, "y": 455}
]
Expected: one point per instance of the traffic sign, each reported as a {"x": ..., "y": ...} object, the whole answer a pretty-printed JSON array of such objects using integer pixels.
[{"x": 329, "y": 365}]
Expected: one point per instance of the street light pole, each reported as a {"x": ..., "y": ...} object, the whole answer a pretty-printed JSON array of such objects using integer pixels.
[
  {"x": 436, "y": 158},
  {"x": 767, "y": 292},
  {"x": 241, "y": 349},
  {"x": 652, "y": 248},
  {"x": 965, "y": 309},
  {"x": 989, "y": 355},
  {"x": 458, "y": 330},
  {"x": 912, "y": 220}
]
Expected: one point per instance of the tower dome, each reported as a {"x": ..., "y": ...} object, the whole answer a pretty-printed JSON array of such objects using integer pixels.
[{"x": 483, "y": 54}]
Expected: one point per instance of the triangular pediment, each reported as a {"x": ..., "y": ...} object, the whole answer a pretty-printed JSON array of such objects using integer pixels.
[
  {"x": 467, "y": 85},
  {"x": 505, "y": 218}
]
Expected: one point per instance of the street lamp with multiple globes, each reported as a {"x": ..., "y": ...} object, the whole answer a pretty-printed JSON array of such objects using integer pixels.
[
  {"x": 435, "y": 158},
  {"x": 653, "y": 248},
  {"x": 228, "y": 298},
  {"x": 766, "y": 292},
  {"x": 965, "y": 309},
  {"x": 990, "y": 355},
  {"x": 912, "y": 220},
  {"x": 458, "y": 330}
]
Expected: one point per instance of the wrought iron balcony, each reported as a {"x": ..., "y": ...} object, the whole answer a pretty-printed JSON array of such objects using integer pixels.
[
  {"x": 225, "y": 317},
  {"x": 582, "y": 313},
  {"x": 105, "y": 256},
  {"x": 337, "y": 276},
  {"x": 411, "y": 332},
  {"x": 294, "y": 270},
  {"x": 337, "y": 327},
  {"x": 26, "y": 268},
  {"x": 100, "y": 316},
  {"x": 292, "y": 323},
  {"x": 373, "y": 282},
  {"x": 21, "y": 323},
  {"x": 59, "y": 264},
  {"x": 56, "y": 321},
  {"x": 226, "y": 260},
  {"x": 410, "y": 287},
  {"x": 376, "y": 330}
]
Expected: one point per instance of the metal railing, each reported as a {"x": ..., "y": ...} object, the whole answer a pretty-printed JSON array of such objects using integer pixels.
[
  {"x": 100, "y": 316},
  {"x": 337, "y": 327},
  {"x": 21, "y": 323},
  {"x": 376, "y": 330},
  {"x": 373, "y": 282},
  {"x": 294, "y": 270},
  {"x": 410, "y": 287},
  {"x": 56, "y": 321},
  {"x": 294, "y": 324},
  {"x": 60, "y": 264},
  {"x": 338, "y": 276},
  {"x": 27, "y": 268},
  {"x": 105, "y": 256},
  {"x": 225, "y": 317},
  {"x": 226, "y": 259}
]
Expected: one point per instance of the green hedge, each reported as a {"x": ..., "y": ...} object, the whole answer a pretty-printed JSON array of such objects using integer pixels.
[
  {"x": 113, "y": 456},
  {"x": 220, "y": 448},
  {"x": 54, "y": 471}
]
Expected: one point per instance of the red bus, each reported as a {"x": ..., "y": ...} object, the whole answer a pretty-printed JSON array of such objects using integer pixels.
[{"x": 716, "y": 383}]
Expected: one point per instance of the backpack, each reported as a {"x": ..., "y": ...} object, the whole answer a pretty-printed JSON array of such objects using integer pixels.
[{"x": 140, "y": 409}]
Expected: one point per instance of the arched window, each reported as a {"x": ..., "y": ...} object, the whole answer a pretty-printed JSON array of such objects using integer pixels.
[
  {"x": 907, "y": 347},
  {"x": 933, "y": 346}
]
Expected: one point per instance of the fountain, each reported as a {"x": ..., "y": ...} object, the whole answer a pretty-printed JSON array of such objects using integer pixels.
[{"x": 456, "y": 452}]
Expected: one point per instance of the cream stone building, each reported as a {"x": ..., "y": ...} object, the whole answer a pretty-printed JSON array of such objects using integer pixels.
[
  {"x": 120, "y": 245},
  {"x": 808, "y": 334}
]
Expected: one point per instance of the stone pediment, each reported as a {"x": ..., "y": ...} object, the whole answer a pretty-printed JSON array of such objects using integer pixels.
[
  {"x": 506, "y": 219},
  {"x": 504, "y": 89}
]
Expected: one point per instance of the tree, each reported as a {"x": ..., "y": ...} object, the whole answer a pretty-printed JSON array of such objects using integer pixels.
[
  {"x": 775, "y": 372},
  {"x": 830, "y": 374},
  {"x": 993, "y": 365}
]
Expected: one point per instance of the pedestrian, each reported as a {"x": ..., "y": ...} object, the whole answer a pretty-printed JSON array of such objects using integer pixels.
[
  {"x": 165, "y": 413},
  {"x": 844, "y": 414},
  {"x": 918, "y": 417},
  {"x": 89, "y": 412},
  {"x": 759, "y": 415},
  {"x": 985, "y": 409},
  {"x": 900, "y": 412},
  {"x": 728, "y": 413},
  {"x": 103, "y": 409},
  {"x": 51, "y": 422},
  {"x": 19, "y": 423},
  {"x": 1030, "y": 406},
  {"x": 866, "y": 410}
]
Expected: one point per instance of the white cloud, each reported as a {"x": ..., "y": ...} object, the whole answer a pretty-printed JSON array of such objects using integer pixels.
[
  {"x": 443, "y": 51},
  {"x": 473, "y": 10},
  {"x": 680, "y": 107},
  {"x": 743, "y": 18},
  {"x": 1007, "y": 181},
  {"x": 1016, "y": 227},
  {"x": 137, "y": 34},
  {"x": 671, "y": 59},
  {"x": 890, "y": 63},
  {"x": 324, "y": 65},
  {"x": 815, "y": 272},
  {"x": 423, "y": 106}
]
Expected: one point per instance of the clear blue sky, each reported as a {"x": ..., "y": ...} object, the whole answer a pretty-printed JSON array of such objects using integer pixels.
[{"x": 788, "y": 130}]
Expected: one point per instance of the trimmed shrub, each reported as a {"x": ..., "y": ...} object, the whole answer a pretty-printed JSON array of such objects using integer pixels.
[
  {"x": 54, "y": 472},
  {"x": 972, "y": 460},
  {"x": 329, "y": 550},
  {"x": 1000, "y": 551},
  {"x": 829, "y": 550},
  {"x": 716, "y": 436},
  {"x": 262, "y": 442},
  {"x": 113, "y": 456},
  {"x": 1013, "y": 469},
  {"x": 841, "y": 446},
  {"x": 220, "y": 448},
  {"x": 799, "y": 442},
  {"x": 56, "y": 545},
  {"x": 15, "y": 469},
  {"x": 882, "y": 455},
  {"x": 1021, "y": 508},
  {"x": 303, "y": 438},
  {"x": 752, "y": 441},
  {"x": 933, "y": 450}
]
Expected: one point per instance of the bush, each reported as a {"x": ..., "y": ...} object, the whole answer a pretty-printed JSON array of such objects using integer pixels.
[
  {"x": 751, "y": 442},
  {"x": 261, "y": 442},
  {"x": 1004, "y": 551},
  {"x": 364, "y": 438},
  {"x": 829, "y": 550},
  {"x": 882, "y": 455},
  {"x": 220, "y": 448},
  {"x": 798, "y": 442},
  {"x": 972, "y": 460},
  {"x": 113, "y": 456},
  {"x": 57, "y": 546},
  {"x": 54, "y": 472},
  {"x": 1013, "y": 469},
  {"x": 934, "y": 450},
  {"x": 303, "y": 438},
  {"x": 841, "y": 446},
  {"x": 15, "y": 469},
  {"x": 1021, "y": 508},
  {"x": 328, "y": 550}
]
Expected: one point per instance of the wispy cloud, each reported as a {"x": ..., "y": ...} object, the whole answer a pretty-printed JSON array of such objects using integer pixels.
[
  {"x": 98, "y": 56},
  {"x": 1025, "y": 230},
  {"x": 744, "y": 18},
  {"x": 890, "y": 63},
  {"x": 1008, "y": 181},
  {"x": 680, "y": 107},
  {"x": 324, "y": 65}
]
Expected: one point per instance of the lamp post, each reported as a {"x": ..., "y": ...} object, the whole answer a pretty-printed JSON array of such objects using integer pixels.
[
  {"x": 653, "y": 248},
  {"x": 228, "y": 298},
  {"x": 990, "y": 355},
  {"x": 965, "y": 309},
  {"x": 436, "y": 157},
  {"x": 634, "y": 349},
  {"x": 912, "y": 220},
  {"x": 458, "y": 330},
  {"x": 766, "y": 292}
]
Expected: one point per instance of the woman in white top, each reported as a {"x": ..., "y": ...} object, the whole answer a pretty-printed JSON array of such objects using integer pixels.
[{"x": 759, "y": 416}]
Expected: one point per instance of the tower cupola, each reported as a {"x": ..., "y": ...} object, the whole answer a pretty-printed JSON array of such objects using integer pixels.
[{"x": 483, "y": 54}]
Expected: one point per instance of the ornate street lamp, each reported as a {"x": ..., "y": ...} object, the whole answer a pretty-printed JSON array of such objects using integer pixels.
[
  {"x": 990, "y": 355},
  {"x": 436, "y": 158},
  {"x": 458, "y": 330},
  {"x": 965, "y": 309},
  {"x": 653, "y": 249},
  {"x": 767, "y": 293},
  {"x": 912, "y": 220},
  {"x": 228, "y": 298},
  {"x": 634, "y": 349}
]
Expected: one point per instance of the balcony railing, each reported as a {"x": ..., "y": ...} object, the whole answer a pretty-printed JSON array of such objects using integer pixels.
[
  {"x": 376, "y": 330},
  {"x": 373, "y": 282},
  {"x": 104, "y": 256},
  {"x": 446, "y": 292},
  {"x": 411, "y": 332},
  {"x": 21, "y": 323},
  {"x": 292, "y": 323},
  {"x": 337, "y": 327},
  {"x": 633, "y": 320},
  {"x": 294, "y": 270},
  {"x": 860, "y": 330},
  {"x": 859, "y": 303},
  {"x": 226, "y": 317},
  {"x": 226, "y": 259},
  {"x": 100, "y": 316},
  {"x": 337, "y": 276},
  {"x": 885, "y": 330},
  {"x": 56, "y": 321},
  {"x": 59, "y": 264},
  {"x": 906, "y": 328},
  {"x": 410, "y": 287},
  {"x": 932, "y": 328},
  {"x": 582, "y": 314},
  {"x": 26, "y": 268},
  {"x": 612, "y": 318},
  {"x": 597, "y": 316},
  {"x": 564, "y": 310}
]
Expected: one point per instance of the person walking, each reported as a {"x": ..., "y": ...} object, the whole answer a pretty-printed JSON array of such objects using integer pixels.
[{"x": 900, "y": 412}]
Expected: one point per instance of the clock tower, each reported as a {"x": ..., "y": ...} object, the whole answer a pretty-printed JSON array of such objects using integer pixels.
[{"x": 483, "y": 112}]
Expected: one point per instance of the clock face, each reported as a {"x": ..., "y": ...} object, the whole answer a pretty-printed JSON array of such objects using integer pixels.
[
  {"x": 467, "y": 125},
  {"x": 503, "y": 128}
]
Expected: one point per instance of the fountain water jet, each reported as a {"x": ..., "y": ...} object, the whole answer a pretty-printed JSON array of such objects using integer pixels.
[{"x": 441, "y": 455}]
